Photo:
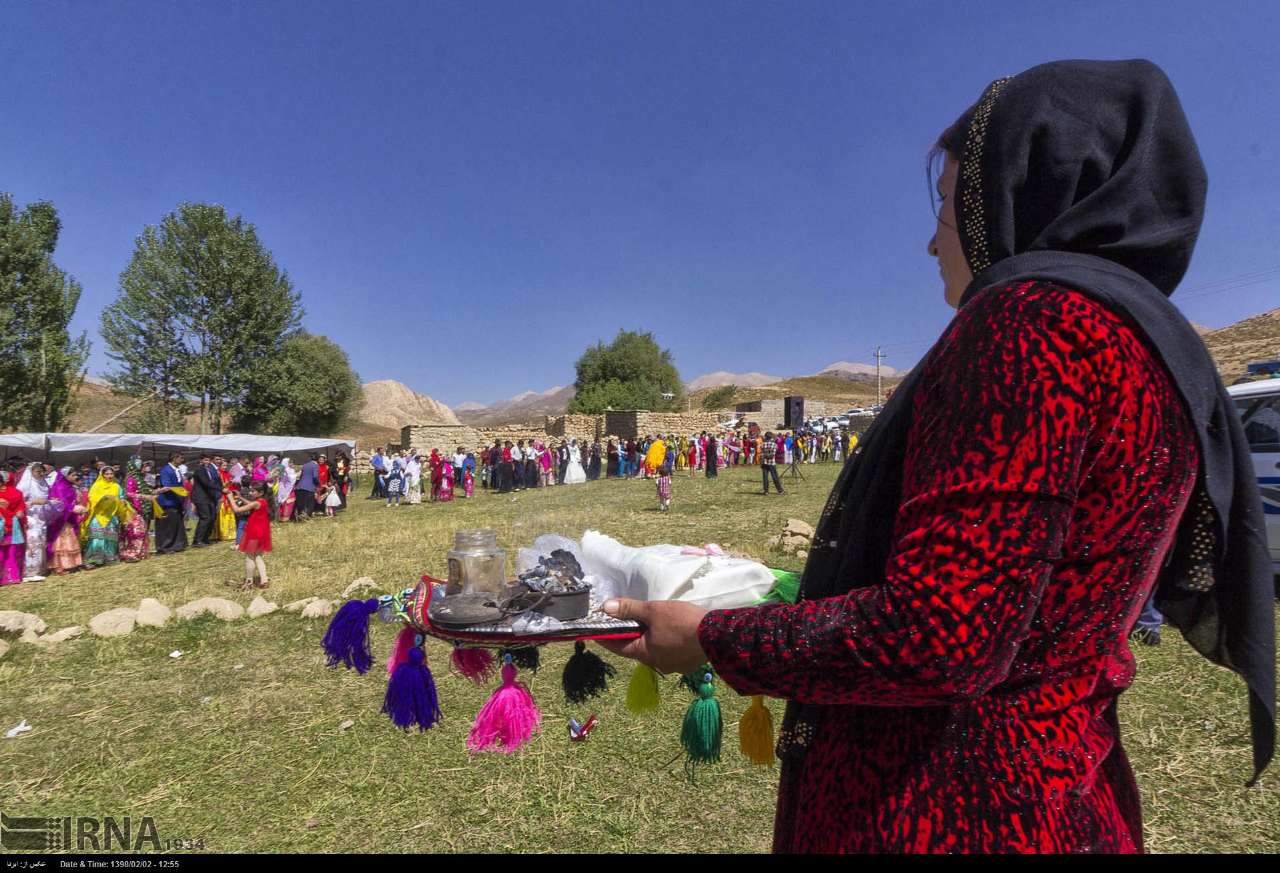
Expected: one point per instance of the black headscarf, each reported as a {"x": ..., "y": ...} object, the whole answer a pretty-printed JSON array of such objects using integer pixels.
[{"x": 1085, "y": 173}]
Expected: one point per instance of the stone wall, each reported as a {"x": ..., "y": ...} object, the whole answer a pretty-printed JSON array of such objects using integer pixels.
[
  {"x": 632, "y": 424},
  {"x": 442, "y": 437},
  {"x": 583, "y": 428},
  {"x": 770, "y": 414},
  {"x": 512, "y": 432}
]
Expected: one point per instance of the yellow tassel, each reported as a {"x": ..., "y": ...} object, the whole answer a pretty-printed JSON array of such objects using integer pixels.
[
  {"x": 642, "y": 692},
  {"x": 755, "y": 732}
]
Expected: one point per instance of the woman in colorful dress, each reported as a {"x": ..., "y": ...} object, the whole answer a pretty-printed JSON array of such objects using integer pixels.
[
  {"x": 13, "y": 542},
  {"x": 444, "y": 491},
  {"x": 954, "y": 663},
  {"x": 63, "y": 549},
  {"x": 341, "y": 476},
  {"x": 109, "y": 511},
  {"x": 134, "y": 545},
  {"x": 226, "y": 526},
  {"x": 35, "y": 486},
  {"x": 413, "y": 479}
]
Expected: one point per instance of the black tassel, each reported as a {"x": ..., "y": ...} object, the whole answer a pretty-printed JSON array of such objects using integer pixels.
[
  {"x": 524, "y": 657},
  {"x": 586, "y": 674}
]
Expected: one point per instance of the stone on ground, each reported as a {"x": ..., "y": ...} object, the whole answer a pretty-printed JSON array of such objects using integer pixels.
[
  {"x": 359, "y": 588},
  {"x": 261, "y": 606},
  {"x": 317, "y": 609},
  {"x": 16, "y": 623},
  {"x": 218, "y": 607},
  {"x": 791, "y": 542},
  {"x": 298, "y": 606},
  {"x": 4, "y": 647},
  {"x": 114, "y": 622},
  {"x": 67, "y": 633},
  {"x": 153, "y": 613},
  {"x": 796, "y": 527}
]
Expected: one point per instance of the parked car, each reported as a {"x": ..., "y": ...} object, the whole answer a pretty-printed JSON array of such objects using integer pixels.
[{"x": 1259, "y": 406}]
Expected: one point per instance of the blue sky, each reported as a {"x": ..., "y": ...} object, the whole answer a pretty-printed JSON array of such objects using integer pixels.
[{"x": 468, "y": 194}]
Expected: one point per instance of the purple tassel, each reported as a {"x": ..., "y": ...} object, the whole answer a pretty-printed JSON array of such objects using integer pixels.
[
  {"x": 411, "y": 694},
  {"x": 347, "y": 639}
]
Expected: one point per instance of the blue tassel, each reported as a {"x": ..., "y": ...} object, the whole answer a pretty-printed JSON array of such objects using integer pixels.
[
  {"x": 347, "y": 639},
  {"x": 411, "y": 694}
]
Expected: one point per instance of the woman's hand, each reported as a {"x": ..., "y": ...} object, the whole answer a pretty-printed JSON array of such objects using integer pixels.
[{"x": 670, "y": 642}]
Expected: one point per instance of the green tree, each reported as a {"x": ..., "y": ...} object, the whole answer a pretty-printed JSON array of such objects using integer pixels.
[
  {"x": 307, "y": 388},
  {"x": 632, "y": 372},
  {"x": 41, "y": 365},
  {"x": 201, "y": 305},
  {"x": 719, "y": 398}
]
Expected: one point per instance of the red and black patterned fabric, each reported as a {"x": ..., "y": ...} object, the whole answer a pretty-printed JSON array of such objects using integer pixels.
[{"x": 968, "y": 702}]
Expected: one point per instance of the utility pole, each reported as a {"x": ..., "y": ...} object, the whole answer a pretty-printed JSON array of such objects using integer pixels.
[{"x": 879, "y": 355}]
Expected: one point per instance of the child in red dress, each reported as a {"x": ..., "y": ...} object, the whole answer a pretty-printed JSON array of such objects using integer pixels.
[{"x": 256, "y": 540}]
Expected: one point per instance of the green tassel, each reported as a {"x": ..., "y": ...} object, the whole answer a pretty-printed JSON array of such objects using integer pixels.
[
  {"x": 642, "y": 693},
  {"x": 702, "y": 725},
  {"x": 786, "y": 587}
]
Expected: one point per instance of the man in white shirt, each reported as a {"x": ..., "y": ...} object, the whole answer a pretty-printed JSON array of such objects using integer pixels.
[{"x": 517, "y": 466}]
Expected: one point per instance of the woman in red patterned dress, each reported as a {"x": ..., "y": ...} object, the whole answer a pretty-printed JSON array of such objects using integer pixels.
[{"x": 953, "y": 664}]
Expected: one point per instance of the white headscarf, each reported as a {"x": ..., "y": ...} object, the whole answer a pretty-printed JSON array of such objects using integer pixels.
[
  {"x": 33, "y": 488},
  {"x": 288, "y": 477}
]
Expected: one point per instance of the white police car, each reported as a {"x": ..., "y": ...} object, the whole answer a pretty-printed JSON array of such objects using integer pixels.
[{"x": 1259, "y": 406}]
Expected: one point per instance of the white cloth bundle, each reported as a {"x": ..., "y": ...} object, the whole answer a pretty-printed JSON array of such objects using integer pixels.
[{"x": 666, "y": 572}]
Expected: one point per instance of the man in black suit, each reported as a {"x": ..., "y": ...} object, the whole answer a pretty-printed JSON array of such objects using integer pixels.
[{"x": 206, "y": 492}]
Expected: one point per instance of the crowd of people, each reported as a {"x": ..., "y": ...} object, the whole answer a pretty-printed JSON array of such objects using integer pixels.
[
  {"x": 76, "y": 519},
  {"x": 410, "y": 477}
]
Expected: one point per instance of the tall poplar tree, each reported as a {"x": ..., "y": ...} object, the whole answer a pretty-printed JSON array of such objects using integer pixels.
[
  {"x": 200, "y": 306},
  {"x": 41, "y": 364}
]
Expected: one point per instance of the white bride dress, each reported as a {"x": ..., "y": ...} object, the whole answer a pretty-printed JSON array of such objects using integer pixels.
[{"x": 574, "y": 474}]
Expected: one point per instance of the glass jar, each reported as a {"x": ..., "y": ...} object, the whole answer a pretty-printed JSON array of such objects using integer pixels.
[{"x": 476, "y": 564}]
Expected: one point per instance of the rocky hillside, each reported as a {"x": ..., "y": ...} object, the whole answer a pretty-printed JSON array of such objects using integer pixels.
[
  {"x": 1242, "y": 343},
  {"x": 724, "y": 377},
  {"x": 388, "y": 403},
  {"x": 858, "y": 372},
  {"x": 840, "y": 390},
  {"x": 528, "y": 406}
]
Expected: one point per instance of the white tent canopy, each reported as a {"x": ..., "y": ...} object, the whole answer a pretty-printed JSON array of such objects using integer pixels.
[
  {"x": 23, "y": 445},
  {"x": 77, "y": 448}
]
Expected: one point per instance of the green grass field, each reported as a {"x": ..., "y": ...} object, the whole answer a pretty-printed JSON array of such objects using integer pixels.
[{"x": 237, "y": 743}]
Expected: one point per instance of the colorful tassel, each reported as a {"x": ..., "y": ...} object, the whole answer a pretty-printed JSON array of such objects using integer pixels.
[
  {"x": 755, "y": 732},
  {"x": 411, "y": 694},
  {"x": 474, "y": 664},
  {"x": 347, "y": 639},
  {"x": 642, "y": 693},
  {"x": 524, "y": 657},
  {"x": 585, "y": 675},
  {"x": 405, "y": 640},
  {"x": 703, "y": 728},
  {"x": 508, "y": 719}
]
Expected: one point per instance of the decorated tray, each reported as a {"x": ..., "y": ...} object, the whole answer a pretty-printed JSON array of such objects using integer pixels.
[{"x": 595, "y": 625}]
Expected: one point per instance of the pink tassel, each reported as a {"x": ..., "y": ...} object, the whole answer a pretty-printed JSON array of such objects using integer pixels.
[
  {"x": 474, "y": 664},
  {"x": 400, "y": 654},
  {"x": 509, "y": 719}
]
